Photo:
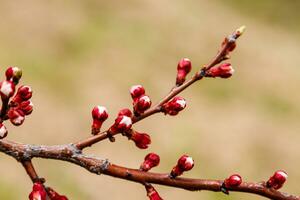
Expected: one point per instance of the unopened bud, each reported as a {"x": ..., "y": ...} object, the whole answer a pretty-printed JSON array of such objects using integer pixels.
[
  {"x": 233, "y": 181},
  {"x": 142, "y": 104},
  {"x": 174, "y": 106},
  {"x": 3, "y": 131},
  {"x": 26, "y": 107},
  {"x": 125, "y": 112},
  {"x": 141, "y": 140},
  {"x": 136, "y": 91},
  {"x": 54, "y": 195},
  {"x": 277, "y": 180},
  {"x": 7, "y": 89},
  {"x": 24, "y": 93},
  {"x": 99, "y": 114},
  {"x": 38, "y": 192},
  {"x": 13, "y": 74},
  {"x": 185, "y": 163},
  {"x": 152, "y": 193},
  {"x": 151, "y": 160},
  {"x": 16, "y": 116},
  {"x": 224, "y": 70},
  {"x": 183, "y": 68},
  {"x": 122, "y": 124}
]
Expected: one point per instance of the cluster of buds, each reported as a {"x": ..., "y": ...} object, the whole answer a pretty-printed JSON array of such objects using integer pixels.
[
  {"x": 174, "y": 106},
  {"x": 152, "y": 193},
  {"x": 151, "y": 160},
  {"x": 3, "y": 131},
  {"x": 122, "y": 123},
  {"x": 20, "y": 105},
  {"x": 223, "y": 70},
  {"x": 277, "y": 180},
  {"x": 38, "y": 192},
  {"x": 99, "y": 114},
  {"x": 141, "y": 101},
  {"x": 141, "y": 140},
  {"x": 185, "y": 163},
  {"x": 183, "y": 68},
  {"x": 54, "y": 195}
]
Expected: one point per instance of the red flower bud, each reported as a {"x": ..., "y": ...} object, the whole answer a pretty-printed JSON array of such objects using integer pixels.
[
  {"x": 24, "y": 93},
  {"x": 224, "y": 70},
  {"x": 233, "y": 181},
  {"x": 3, "y": 131},
  {"x": 277, "y": 180},
  {"x": 26, "y": 107},
  {"x": 7, "y": 89},
  {"x": 13, "y": 74},
  {"x": 174, "y": 106},
  {"x": 54, "y": 195},
  {"x": 185, "y": 163},
  {"x": 99, "y": 114},
  {"x": 141, "y": 104},
  {"x": 136, "y": 91},
  {"x": 122, "y": 124},
  {"x": 16, "y": 116},
  {"x": 125, "y": 112},
  {"x": 38, "y": 192},
  {"x": 183, "y": 68},
  {"x": 141, "y": 140},
  {"x": 151, "y": 160},
  {"x": 152, "y": 193}
]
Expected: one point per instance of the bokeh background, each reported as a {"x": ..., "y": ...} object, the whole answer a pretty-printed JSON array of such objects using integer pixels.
[{"x": 77, "y": 54}]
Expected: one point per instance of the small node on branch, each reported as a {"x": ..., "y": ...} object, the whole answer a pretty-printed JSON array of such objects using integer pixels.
[
  {"x": 183, "y": 68},
  {"x": 151, "y": 160},
  {"x": 277, "y": 180},
  {"x": 185, "y": 163}
]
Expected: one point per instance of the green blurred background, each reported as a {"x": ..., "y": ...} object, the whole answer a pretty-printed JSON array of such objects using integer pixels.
[{"x": 77, "y": 54}]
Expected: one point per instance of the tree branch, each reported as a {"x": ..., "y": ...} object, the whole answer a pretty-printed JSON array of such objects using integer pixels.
[{"x": 99, "y": 166}]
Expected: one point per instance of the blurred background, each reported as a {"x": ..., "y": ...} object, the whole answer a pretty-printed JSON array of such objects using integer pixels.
[{"x": 77, "y": 54}]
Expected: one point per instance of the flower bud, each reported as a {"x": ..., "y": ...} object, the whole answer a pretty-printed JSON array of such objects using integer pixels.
[
  {"x": 54, "y": 195},
  {"x": 26, "y": 107},
  {"x": 122, "y": 124},
  {"x": 185, "y": 163},
  {"x": 13, "y": 74},
  {"x": 125, "y": 112},
  {"x": 38, "y": 192},
  {"x": 174, "y": 106},
  {"x": 233, "y": 181},
  {"x": 224, "y": 70},
  {"x": 3, "y": 131},
  {"x": 141, "y": 140},
  {"x": 183, "y": 68},
  {"x": 142, "y": 104},
  {"x": 7, "y": 89},
  {"x": 99, "y": 114},
  {"x": 151, "y": 160},
  {"x": 277, "y": 180},
  {"x": 152, "y": 193},
  {"x": 136, "y": 91},
  {"x": 24, "y": 93},
  {"x": 16, "y": 116}
]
